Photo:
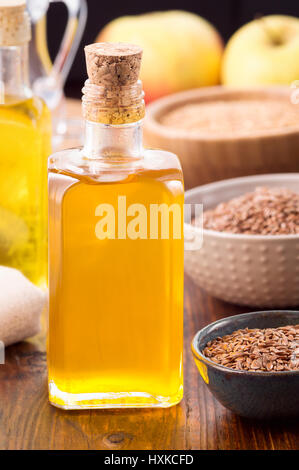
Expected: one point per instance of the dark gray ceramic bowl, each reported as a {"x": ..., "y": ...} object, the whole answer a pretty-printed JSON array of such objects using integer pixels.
[{"x": 259, "y": 395}]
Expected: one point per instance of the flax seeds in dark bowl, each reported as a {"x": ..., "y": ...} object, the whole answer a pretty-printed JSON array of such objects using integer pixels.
[{"x": 250, "y": 363}]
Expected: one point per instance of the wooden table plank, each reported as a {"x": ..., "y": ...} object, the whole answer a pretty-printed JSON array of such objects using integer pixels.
[{"x": 27, "y": 421}]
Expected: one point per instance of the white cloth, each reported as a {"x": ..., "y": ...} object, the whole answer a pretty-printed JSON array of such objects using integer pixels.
[{"x": 21, "y": 304}]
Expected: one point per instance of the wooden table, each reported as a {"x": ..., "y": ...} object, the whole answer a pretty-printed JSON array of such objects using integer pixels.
[{"x": 27, "y": 421}]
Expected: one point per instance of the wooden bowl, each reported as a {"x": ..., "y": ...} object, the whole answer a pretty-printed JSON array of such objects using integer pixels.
[{"x": 221, "y": 133}]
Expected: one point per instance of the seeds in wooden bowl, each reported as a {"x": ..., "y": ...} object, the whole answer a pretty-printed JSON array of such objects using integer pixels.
[
  {"x": 230, "y": 117},
  {"x": 257, "y": 350},
  {"x": 266, "y": 211}
]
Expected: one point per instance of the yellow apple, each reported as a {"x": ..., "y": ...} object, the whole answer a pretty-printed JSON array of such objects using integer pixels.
[
  {"x": 180, "y": 50},
  {"x": 264, "y": 51}
]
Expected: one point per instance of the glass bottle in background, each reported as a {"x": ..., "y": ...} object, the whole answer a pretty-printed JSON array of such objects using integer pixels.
[
  {"x": 47, "y": 78},
  {"x": 116, "y": 289},
  {"x": 25, "y": 134}
]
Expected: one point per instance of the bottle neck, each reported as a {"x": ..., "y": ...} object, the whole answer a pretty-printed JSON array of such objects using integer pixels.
[
  {"x": 113, "y": 117},
  {"x": 14, "y": 75},
  {"x": 113, "y": 142}
]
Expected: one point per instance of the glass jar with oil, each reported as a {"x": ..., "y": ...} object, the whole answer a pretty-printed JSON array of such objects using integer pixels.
[
  {"x": 24, "y": 147},
  {"x": 116, "y": 252}
]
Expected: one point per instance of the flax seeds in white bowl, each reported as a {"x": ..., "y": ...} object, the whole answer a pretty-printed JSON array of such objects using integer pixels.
[
  {"x": 250, "y": 251},
  {"x": 265, "y": 211}
]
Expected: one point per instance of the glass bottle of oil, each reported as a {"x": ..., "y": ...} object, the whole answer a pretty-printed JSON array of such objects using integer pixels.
[
  {"x": 24, "y": 148},
  {"x": 116, "y": 252}
]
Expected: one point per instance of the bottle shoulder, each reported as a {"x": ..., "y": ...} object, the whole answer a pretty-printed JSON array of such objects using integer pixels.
[
  {"x": 73, "y": 163},
  {"x": 162, "y": 158}
]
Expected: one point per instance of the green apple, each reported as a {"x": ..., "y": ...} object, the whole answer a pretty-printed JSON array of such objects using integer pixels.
[{"x": 263, "y": 52}]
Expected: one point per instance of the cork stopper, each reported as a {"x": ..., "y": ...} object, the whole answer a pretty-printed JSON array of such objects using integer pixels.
[
  {"x": 15, "y": 27},
  {"x": 113, "y": 64}
]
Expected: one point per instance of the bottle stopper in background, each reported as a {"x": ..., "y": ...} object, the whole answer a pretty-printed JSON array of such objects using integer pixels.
[{"x": 15, "y": 27}]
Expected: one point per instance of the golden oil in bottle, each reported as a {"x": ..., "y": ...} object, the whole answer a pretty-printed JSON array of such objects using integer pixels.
[
  {"x": 116, "y": 274},
  {"x": 25, "y": 133}
]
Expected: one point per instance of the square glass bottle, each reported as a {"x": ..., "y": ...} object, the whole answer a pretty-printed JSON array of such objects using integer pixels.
[{"x": 116, "y": 252}]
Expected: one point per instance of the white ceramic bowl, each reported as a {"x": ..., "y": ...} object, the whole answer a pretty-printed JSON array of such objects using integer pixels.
[{"x": 256, "y": 270}]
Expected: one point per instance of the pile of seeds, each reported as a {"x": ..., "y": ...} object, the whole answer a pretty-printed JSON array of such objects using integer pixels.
[
  {"x": 232, "y": 117},
  {"x": 266, "y": 211},
  {"x": 271, "y": 349}
]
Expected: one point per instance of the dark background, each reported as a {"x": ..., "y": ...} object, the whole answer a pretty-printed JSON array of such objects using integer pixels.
[{"x": 226, "y": 15}]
